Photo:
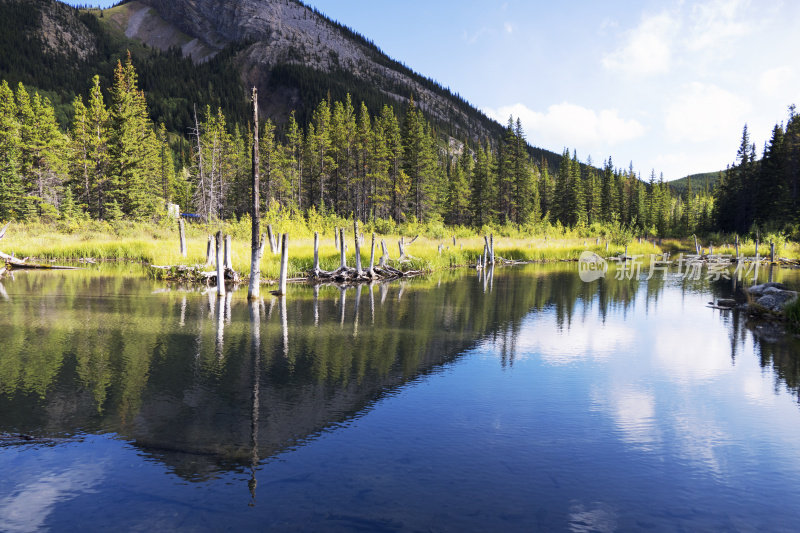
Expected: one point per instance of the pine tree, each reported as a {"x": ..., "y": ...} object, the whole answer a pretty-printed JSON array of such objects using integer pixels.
[
  {"x": 594, "y": 202},
  {"x": 294, "y": 156},
  {"x": 397, "y": 176},
  {"x": 133, "y": 147},
  {"x": 320, "y": 161},
  {"x": 43, "y": 165},
  {"x": 96, "y": 189},
  {"x": 379, "y": 175},
  {"x": 419, "y": 162},
  {"x": 506, "y": 166},
  {"x": 167, "y": 166},
  {"x": 482, "y": 189},
  {"x": 11, "y": 190}
]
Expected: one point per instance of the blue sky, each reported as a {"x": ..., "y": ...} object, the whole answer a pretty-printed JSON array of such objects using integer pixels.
[{"x": 665, "y": 84}]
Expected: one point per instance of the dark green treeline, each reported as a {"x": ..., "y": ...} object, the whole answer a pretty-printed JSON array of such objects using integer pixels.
[
  {"x": 763, "y": 192},
  {"x": 114, "y": 162}
]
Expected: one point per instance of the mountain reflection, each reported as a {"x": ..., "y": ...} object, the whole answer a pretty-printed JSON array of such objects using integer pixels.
[{"x": 206, "y": 384}]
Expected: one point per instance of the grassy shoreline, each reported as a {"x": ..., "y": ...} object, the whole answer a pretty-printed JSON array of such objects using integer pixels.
[{"x": 157, "y": 243}]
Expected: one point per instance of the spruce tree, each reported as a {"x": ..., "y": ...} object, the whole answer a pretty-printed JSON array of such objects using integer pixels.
[{"x": 11, "y": 190}]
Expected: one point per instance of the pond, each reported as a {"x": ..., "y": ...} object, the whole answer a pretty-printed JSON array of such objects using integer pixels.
[{"x": 518, "y": 400}]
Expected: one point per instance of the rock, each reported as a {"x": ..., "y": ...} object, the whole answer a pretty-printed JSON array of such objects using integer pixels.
[
  {"x": 775, "y": 299},
  {"x": 758, "y": 290},
  {"x": 726, "y": 302}
]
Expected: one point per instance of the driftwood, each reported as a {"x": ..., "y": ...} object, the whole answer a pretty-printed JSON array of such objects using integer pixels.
[
  {"x": 193, "y": 274},
  {"x": 351, "y": 275},
  {"x": 345, "y": 274}
]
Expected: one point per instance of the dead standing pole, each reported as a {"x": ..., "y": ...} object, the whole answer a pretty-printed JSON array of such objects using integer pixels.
[
  {"x": 220, "y": 267},
  {"x": 257, "y": 248},
  {"x": 316, "y": 254},
  {"x": 182, "y": 232},
  {"x": 358, "y": 248},
  {"x": 284, "y": 264}
]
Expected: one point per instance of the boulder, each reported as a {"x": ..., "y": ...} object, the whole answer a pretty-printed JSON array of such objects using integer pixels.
[
  {"x": 758, "y": 290},
  {"x": 775, "y": 299}
]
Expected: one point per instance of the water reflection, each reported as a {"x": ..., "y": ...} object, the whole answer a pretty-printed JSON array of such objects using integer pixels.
[{"x": 205, "y": 383}]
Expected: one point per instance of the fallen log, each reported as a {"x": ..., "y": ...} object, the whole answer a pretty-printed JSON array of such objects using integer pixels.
[{"x": 22, "y": 264}]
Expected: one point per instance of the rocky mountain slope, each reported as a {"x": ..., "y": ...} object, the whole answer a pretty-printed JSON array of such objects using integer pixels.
[
  {"x": 286, "y": 32},
  {"x": 295, "y": 55}
]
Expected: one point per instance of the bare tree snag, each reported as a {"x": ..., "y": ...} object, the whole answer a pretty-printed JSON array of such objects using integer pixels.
[
  {"x": 343, "y": 259},
  {"x": 316, "y": 254},
  {"x": 273, "y": 243},
  {"x": 256, "y": 247},
  {"x": 210, "y": 250},
  {"x": 385, "y": 256},
  {"x": 372, "y": 258},
  {"x": 358, "y": 248},
  {"x": 284, "y": 264},
  {"x": 220, "y": 268},
  {"x": 182, "y": 234},
  {"x": 228, "y": 252}
]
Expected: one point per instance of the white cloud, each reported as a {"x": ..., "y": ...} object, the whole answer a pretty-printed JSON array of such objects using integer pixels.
[
  {"x": 508, "y": 27},
  {"x": 571, "y": 125},
  {"x": 703, "y": 112},
  {"x": 781, "y": 84},
  {"x": 648, "y": 47},
  {"x": 675, "y": 37},
  {"x": 717, "y": 22},
  {"x": 772, "y": 81}
]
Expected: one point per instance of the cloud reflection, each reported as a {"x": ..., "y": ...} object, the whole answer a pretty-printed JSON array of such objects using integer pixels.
[{"x": 29, "y": 504}]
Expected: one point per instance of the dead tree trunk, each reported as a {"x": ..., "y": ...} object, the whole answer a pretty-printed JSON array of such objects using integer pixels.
[
  {"x": 372, "y": 257},
  {"x": 284, "y": 264},
  {"x": 359, "y": 272},
  {"x": 385, "y": 256},
  {"x": 210, "y": 250},
  {"x": 228, "y": 252},
  {"x": 256, "y": 247},
  {"x": 316, "y": 254},
  {"x": 220, "y": 268},
  {"x": 182, "y": 233},
  {"x": 342, "y": 258},
  {"x": 273, "y": 243}
]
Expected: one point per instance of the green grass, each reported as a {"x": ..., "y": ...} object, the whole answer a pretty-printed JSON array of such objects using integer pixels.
[
  {"x": 792, "y": 314},
  {"x": 747, "y": 247},
  {"x": 157, "y": 243}
]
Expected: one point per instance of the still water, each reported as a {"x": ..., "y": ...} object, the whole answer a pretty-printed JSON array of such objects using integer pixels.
[{"x": 523, "y": 401}]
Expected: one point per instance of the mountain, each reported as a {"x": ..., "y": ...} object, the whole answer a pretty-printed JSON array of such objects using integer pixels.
[
  {"x": 700, "y": 182},
  {"x": 210, "y": 52}
]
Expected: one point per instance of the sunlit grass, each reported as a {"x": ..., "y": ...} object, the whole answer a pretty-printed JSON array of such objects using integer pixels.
[{"x": 158, "y": 244}]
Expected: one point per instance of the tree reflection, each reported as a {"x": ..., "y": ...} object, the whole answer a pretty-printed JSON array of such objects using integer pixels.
[{"x": 190, "y": 373}]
